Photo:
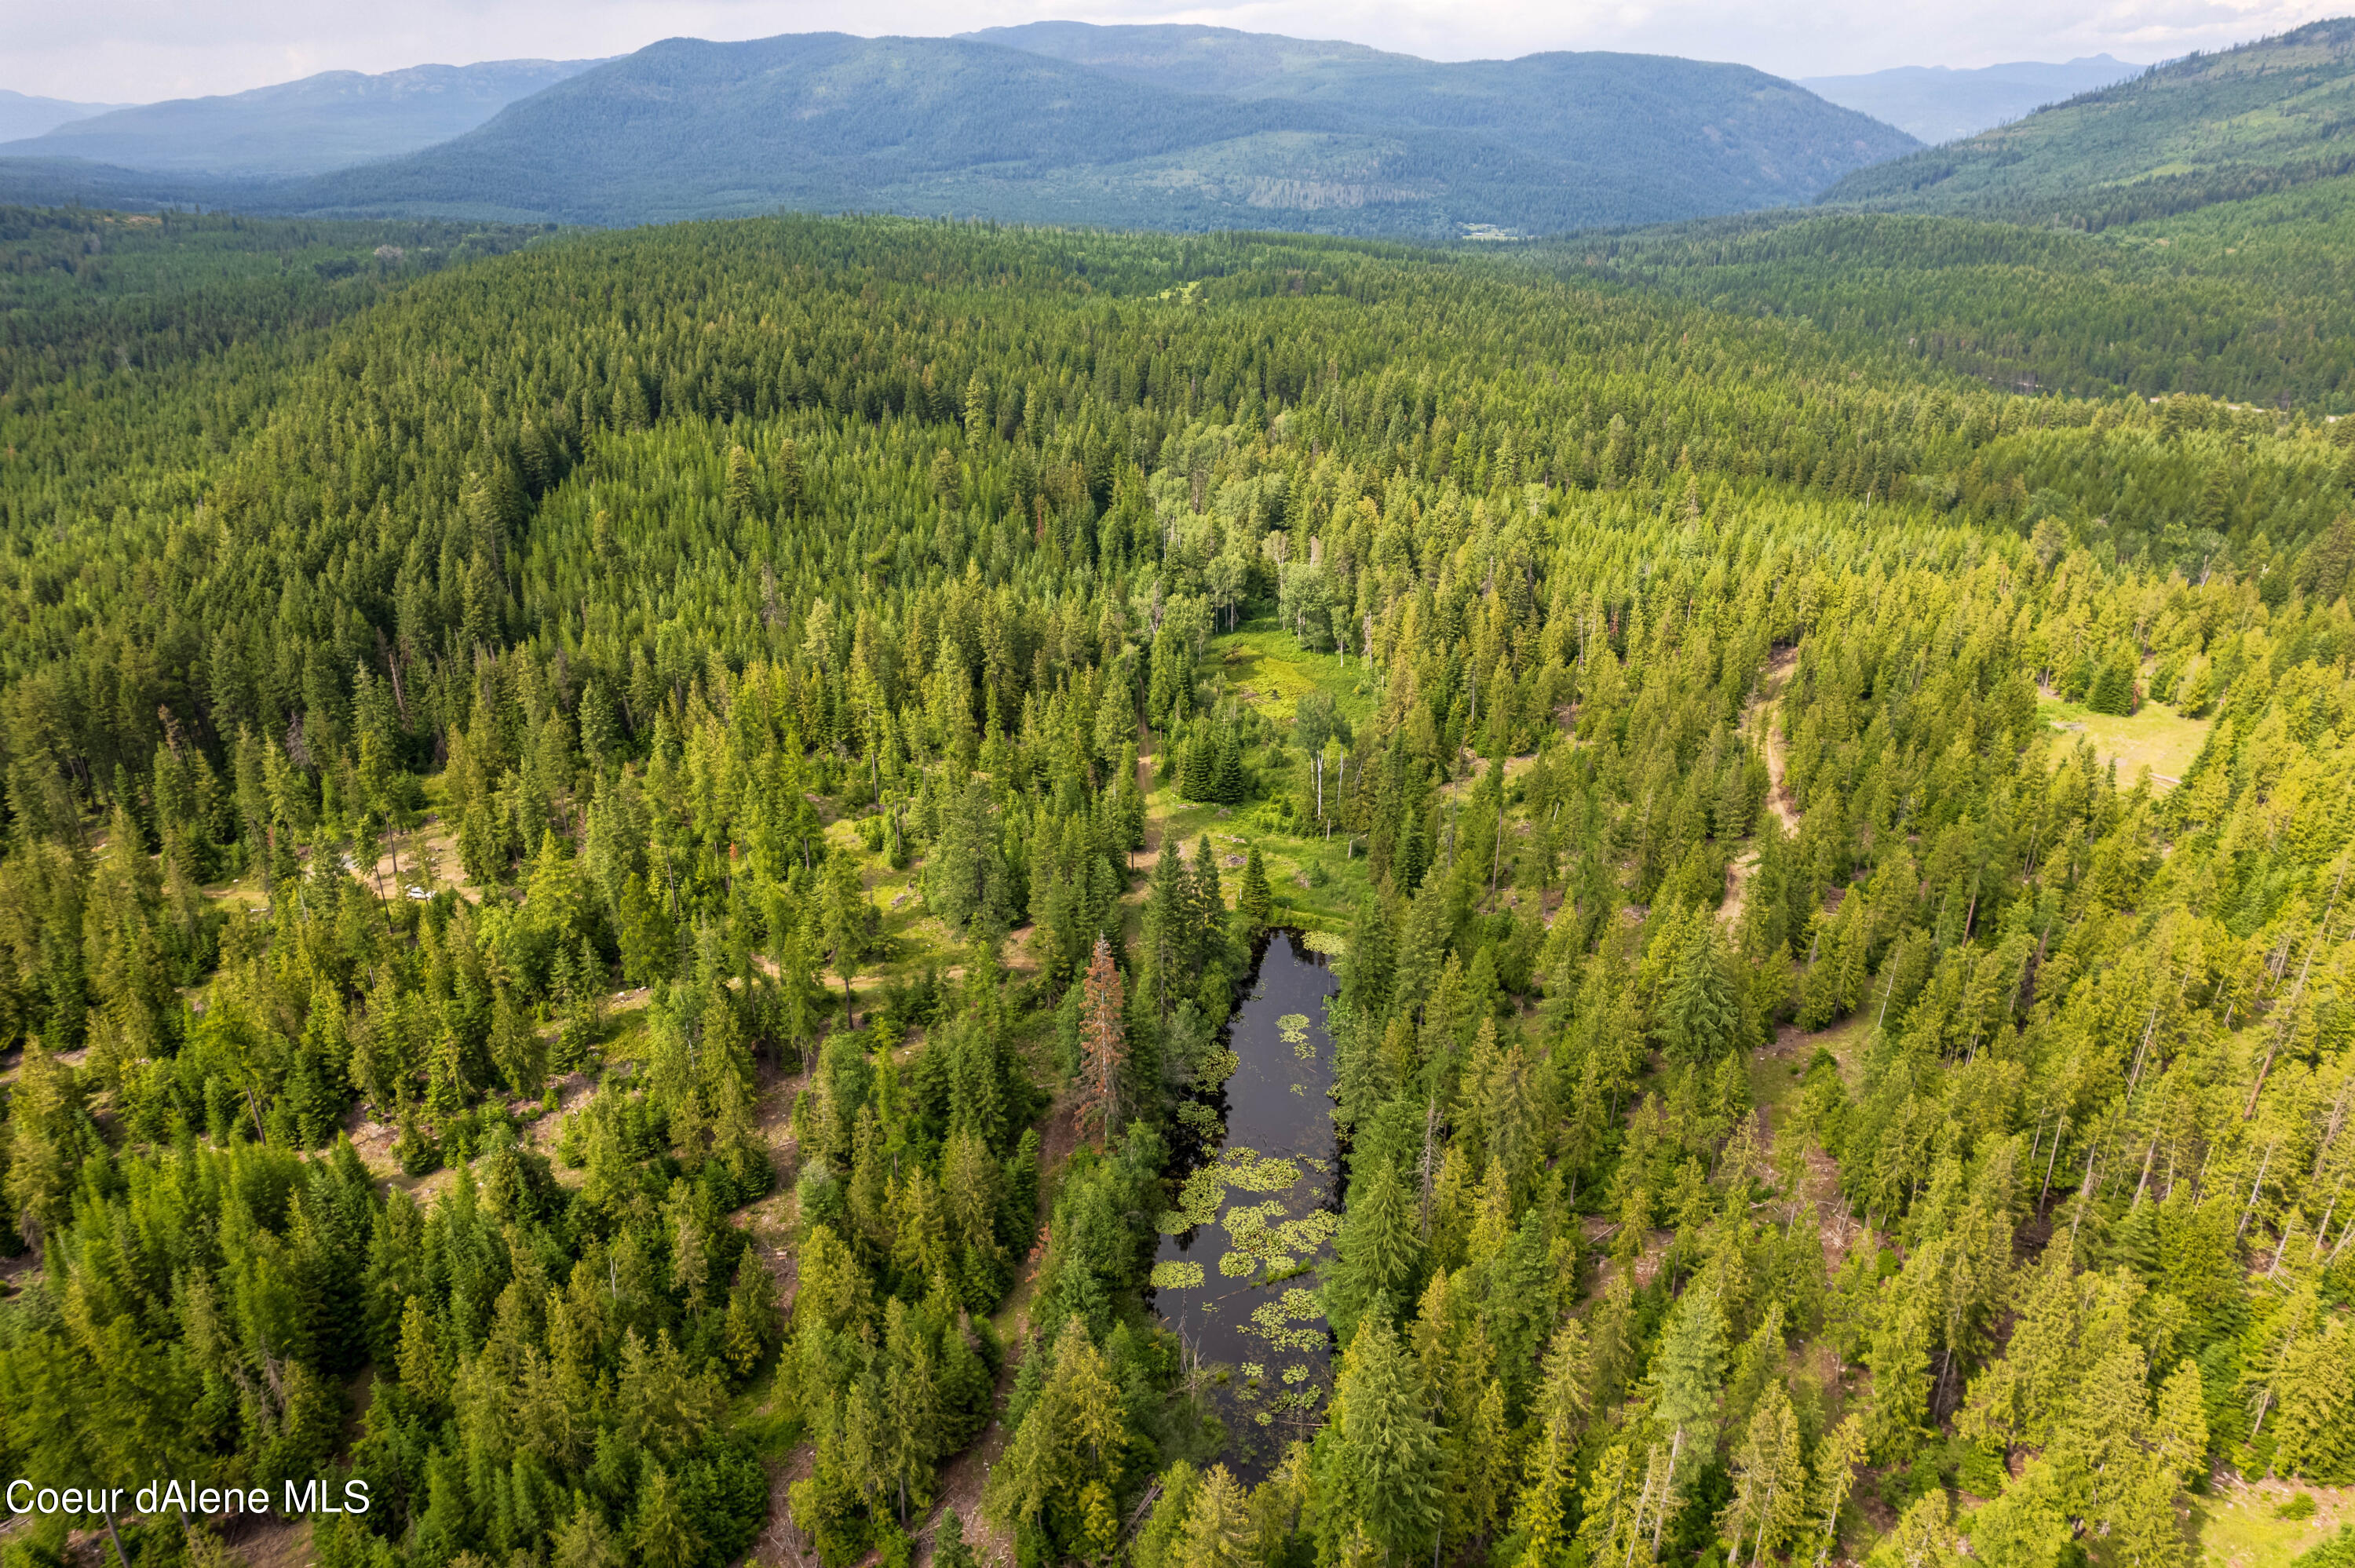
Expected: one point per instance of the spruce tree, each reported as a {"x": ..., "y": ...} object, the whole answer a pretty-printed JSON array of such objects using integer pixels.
[
  {"x": 1837, "y": 1455},
  {"x": 1169, "y": 928},
  {"x": 1227, "y": 768},
  {"x": 1769, "y": 1482},
  {"x": 1198, "y": 764},
  {"x": 662, "y": 1530},
  {"x": 583, "y": 1542},
  {"x": 1699, "y": 1015},
  {"x": 949, "y": 1547},
  {"x": 1210, "y": 899},
  {"x": 1252, "y": 900},
  {"x": 1219, "y": 1532},
  {"x": 1383, "y": 1462},
  {"x": 1381, "y": 1249},
  {"x": 1686, "y": 1373}
]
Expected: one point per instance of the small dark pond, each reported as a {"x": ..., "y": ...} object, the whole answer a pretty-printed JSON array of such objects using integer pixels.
[{"x": 1260, "y": 1181}]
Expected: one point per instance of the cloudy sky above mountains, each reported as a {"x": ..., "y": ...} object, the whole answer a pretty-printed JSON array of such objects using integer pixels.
[{"x": 138, "y": 50}]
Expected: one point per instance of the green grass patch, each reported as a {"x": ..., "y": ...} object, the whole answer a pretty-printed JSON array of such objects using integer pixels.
[
  {"x": 1776, "y": 1087},
  {"x": 1844, "y": 1039},
  {"x": 1313, "y": 882},
  {"x": 624, "y": 1038},
  {"x": 1296, "y": 863},
  {"x": 2241, "y": 1526},
  {"x": 1265, "y": 660},
  {"x": 2159, "y": 738}
]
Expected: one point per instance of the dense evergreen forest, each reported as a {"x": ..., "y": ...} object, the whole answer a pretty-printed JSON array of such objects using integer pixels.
[
  {"x": 626, "y": 862},
  {"x": 2219, "y": 126},
  {"x": 2245, "y": 302}
]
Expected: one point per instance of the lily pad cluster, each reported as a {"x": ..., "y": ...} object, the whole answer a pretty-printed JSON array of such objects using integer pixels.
[
  {"x": 1200, "y": 1117},
  {"x": 1279, "y": 1322},
  {"x": 1204, "y": 1192},
  {"x": 1262, "y": 1236},
  {"x": 1293, "y": 1027}
]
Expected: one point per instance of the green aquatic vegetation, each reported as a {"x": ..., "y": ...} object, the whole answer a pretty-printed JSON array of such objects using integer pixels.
[
  {"x": 1279, "y": 1322},
  {"x": 1248, "y": 1170},
  {"x": 1200, "y": 1117}
]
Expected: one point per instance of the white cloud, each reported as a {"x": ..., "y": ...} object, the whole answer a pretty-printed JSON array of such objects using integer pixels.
[{"x": 136, "y": 50}]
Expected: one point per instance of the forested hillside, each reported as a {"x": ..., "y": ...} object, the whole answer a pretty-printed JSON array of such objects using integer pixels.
[
  {"x": 1188, "y": 58},
  {"x": 2243, "y": 300},
  {"x": 2263, "y": 117},
  {"x": 303, "y": 127},
  {"x": 1630, "y": 133},
  {"x": 627, "y": 866},
  {"x": 1942, "y": 103},
  {"x": 1135, "y": 129}
]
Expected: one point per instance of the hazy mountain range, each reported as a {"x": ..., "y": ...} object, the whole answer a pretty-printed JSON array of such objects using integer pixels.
[
  {"x": 1166, "y": 126},
  {"x": 1192, "y": 127},
  {"x": 21, "y": 114},
  {"x": 331, "y": 121},
  {"x": 1937, "y": 103},
  {"x": 2209, "y": 127}
]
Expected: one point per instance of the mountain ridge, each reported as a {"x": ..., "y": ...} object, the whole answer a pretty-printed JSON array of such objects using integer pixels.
[
  {"x": 308, "y": 126},
  {"x": 1944, "y": 103},
  {"x": 1351, "y": 142},
  {"x": 28, "y": 114},
  {"x": 2263, "y": 116}
]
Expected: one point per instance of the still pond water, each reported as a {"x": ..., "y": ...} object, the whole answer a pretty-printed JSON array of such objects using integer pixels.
[{"x": 1259, "y": 1206}]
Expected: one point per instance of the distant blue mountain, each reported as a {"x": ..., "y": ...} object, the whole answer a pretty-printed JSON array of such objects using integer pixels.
[
  {"x": 21, "y": 114},
  {"x": 1938, "y": 104},
  {"x": 1166, "y": 127},
  {"x": 326, "y": 122}
]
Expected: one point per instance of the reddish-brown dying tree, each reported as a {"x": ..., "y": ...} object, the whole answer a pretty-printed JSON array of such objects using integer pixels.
[{"x": 1104, "y": 1045}]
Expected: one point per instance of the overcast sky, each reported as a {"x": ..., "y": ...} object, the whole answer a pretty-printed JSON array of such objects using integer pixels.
[{"x": 136, "y": 50}]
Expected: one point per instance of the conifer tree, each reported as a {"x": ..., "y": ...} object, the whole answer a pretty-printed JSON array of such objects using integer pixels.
[
  {"x": 1923, "y": 1538},
  {"x": 583, "y": 1542},
  {"x": 1699, "y": 1014},
  {"x": 850, "y": 920},
  {"x": 949, "y": 1547},
  {"x": 2181, "y": 1423},
  {"x": 1542, "y": 1516},
  {"x": 1769, "y": 1482},
  {"x": 1198, "y": 775},
  {"x": 1837, "y": 1459},
  {"x": 1380, "y": 1246},
  {"x": 2315, "y": 1434},
  {"x": 751, "y": 1315},
  {"x": 1209, "y": 896},
  {"x": 1219, "y": 1532},
  {"x": 1168, "y": 932},
  {"x": 661, "y": 1531},
  {"x": 1070, "y": 1435},
  {"x": 1103, "y": 1037},
  {"x": 1253, "y": 901},
  {"x": 1687, "y": 1372},
  {"x": 1382, "y": 1457},
  {"x": 1227, "y": 768}
]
